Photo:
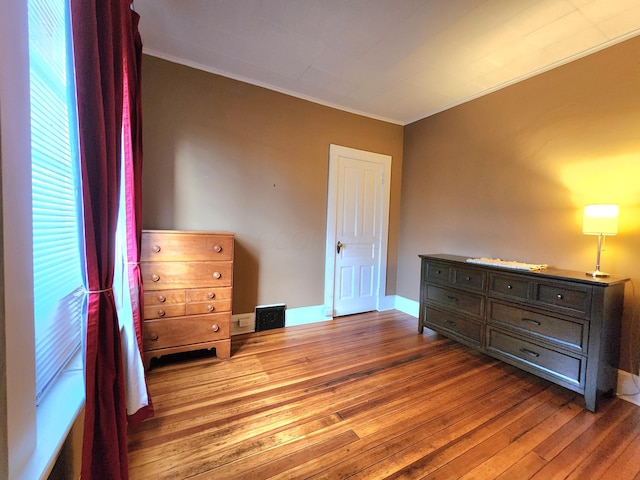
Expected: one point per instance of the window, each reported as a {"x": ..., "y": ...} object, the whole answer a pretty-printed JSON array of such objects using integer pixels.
[{"x": 57, "y": 221}]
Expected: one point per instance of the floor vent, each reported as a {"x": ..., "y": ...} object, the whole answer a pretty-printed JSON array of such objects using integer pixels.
[{"x": 269, "y": 317}]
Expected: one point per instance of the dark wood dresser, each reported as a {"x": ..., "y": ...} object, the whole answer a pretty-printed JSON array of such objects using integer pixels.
[
  {"x": 560, "y": 325},
  {"x": 188, "y": 281}
]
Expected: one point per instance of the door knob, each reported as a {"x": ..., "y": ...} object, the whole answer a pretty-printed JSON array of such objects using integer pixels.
[{"x": 339, "y": 246}]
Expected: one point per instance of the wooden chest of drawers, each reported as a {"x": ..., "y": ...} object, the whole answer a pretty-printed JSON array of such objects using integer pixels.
[
  {"x": 560, "y": 325},
  {"x": 188, "y": 282}
]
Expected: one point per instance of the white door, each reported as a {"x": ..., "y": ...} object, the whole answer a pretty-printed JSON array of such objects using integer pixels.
[{"x": 357, "y": 229}]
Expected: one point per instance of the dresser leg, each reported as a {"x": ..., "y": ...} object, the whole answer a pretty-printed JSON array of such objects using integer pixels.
[{"x": 223, "y": 350}]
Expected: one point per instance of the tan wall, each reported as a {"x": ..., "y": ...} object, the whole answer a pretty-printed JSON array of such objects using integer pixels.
[
  {"x": 507, "y": 175},
  {"x": 224, "y": 155}
]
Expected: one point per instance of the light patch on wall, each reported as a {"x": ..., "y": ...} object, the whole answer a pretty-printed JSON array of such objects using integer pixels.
[{"x": 606, "y": 180}]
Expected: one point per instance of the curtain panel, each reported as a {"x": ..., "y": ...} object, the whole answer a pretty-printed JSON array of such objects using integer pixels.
[{"x": 101, "y": 29}]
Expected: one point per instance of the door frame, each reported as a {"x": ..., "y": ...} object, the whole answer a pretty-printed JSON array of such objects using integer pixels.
[{"x": 335, "y": 152}]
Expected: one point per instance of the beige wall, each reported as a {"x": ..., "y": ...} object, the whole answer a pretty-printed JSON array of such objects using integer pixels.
[
  {"x": 507, "y": 175},
  {"x": 224, "y": 155}
]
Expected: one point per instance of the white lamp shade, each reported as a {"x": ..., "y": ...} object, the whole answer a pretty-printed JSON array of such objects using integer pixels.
[{"x": 600, "y": 220}]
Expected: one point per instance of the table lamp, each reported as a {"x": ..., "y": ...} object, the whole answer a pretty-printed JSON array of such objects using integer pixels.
[{"x": 600, "y": 220}]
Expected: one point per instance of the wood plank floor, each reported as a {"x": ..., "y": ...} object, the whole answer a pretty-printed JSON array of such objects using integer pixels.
[{"x": 367, "y": 397}]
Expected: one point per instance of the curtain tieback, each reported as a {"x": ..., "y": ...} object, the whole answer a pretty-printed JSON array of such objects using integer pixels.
[{"x": 98, "y": 291}]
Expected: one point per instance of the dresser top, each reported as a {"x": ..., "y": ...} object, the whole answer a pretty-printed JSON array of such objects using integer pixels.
[
  {"x": 189, "y": 232},
  {"x": 548, "y": 272}
]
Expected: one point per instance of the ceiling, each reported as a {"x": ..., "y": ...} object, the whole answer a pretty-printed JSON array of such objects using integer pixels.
[{"x": 395, "y": 60}]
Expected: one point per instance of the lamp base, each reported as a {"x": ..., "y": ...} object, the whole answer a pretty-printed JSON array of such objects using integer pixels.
[{"x": 598, "y": 274}]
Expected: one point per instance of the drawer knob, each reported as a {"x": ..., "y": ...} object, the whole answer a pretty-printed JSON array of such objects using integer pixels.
[
  {"x": 162, "y": 298},
  {"x": 452, "y": 298},
  {"x": 467, "y": 278},
  {"x": 161, "y": 313},
  {"x": 451, "y": 322},
  {"x": 509, "y": 287},
  {"x": 153, "y": 336},
  {"x": 560, "y": 296},
  {"x": 211, "y": 308},
  {"x": 211, "y": 295},
  {"x": 534, "y": 322},
  {"x": 217, "y": 248},
  {"x": 438, "y": 272},
  {"x": 156, "y": 248},
  {"x": 155, "y": 277},
  {"x": 215, "y": 327},
  {"x": 217, "y": 275}
]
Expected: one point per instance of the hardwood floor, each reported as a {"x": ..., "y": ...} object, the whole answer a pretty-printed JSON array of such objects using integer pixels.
[{"x": 367, "y": 397}]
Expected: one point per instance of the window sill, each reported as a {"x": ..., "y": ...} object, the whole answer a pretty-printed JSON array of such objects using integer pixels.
[{"x": 55, "y": 416}]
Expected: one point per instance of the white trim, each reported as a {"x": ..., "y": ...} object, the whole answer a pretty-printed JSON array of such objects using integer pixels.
[
  {"x": 410, "y": 307},
  {"x": 335, "y": 151},
  {"x": 268, "y": 86},
  {"x": 56, "y": 414},
  {"x": 628, "y": 387},
  {"x": 304, "y": 315}
]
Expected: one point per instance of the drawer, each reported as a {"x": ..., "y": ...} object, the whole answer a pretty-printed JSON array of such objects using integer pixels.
[
  {"x": 469, "y": 278},
  {"x": 565, "y": 332},
  {"x": 573, "y": 299},
  {"x": 567, "y": 368},
  {"x": 173, "y": 275},
  {"x": 437, "y": 272},
  {"x": 208, "y": 294},
  {"x": 208, "y": 307},
  {"x": 164, "y": 246},
  {"x": 180, "y": 331},
  {"x": 457, "y": 300},
  {"x": 508, "y": 286},
  {"x": 165, "y": 297},
  {"x": 466, "y": 328},
  {"x": 164, "y": 311}
]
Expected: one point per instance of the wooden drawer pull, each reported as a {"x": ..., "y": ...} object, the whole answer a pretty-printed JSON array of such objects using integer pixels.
[
  {"x": 156, "y": 248},
  {"x": 467, "y": 278},
  {"x": 215, "y": 327},
  {"x": 211, "y": 308},
  {"x": 451, "y": 322},
  {"x": 452, "y": 298},
  {"x": 155, "y": 277},
  {"x": 153, "y": 336},
  {"x": 528, "y": 320},
  {"x": 161, "y": 313},
  {"x": 217, "y": 248},
  {"x": 530, "y": 352},
  {"x": 211, "y": 295},
  {"x": 162, "y": 298},
  {"x": 217, "y": 275}
]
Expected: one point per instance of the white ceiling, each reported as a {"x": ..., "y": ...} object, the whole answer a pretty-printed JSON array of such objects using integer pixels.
[{"x": 396, "y": 60}]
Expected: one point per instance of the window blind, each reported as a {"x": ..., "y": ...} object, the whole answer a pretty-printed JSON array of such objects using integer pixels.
[{"x": 58, "y": 265}]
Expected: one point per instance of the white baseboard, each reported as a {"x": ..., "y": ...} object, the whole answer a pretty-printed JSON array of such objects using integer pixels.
[
  {"x": 304, "y": 315},
  {"x": 410, "y": 307},
  {"x": 628, "y": 387}
]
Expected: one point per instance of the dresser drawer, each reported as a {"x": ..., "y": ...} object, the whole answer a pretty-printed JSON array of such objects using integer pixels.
[
  {"x": 464, "y": 327},
  {"x": 469, "y": 278},
  {"x": 508, "y": 286},
  {"x": 573, "y": 299},
  {"x": 457, "y": 300},
  {"x": 208, "y": 307},
  {"x": 437, "y": 272},
  {"x": 185, "y": 330},
  {"x": 164, "y": 246},
  {"x": 166, "y": 297},
  {"x": 208, "y": 294},
  {"x": 567, "y": 368},
  {"x": 566, "y": 333},
  {"x": 164, "y": 311},
  {"x": 173, "y": 275}
]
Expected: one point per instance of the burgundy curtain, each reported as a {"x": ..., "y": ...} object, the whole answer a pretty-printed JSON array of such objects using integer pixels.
[
  {"x": 100, "y": 29},
  {"x": 132, "y": 164}
]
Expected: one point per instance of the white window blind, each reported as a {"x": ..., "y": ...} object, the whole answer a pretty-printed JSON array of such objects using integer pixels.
[{"x": 58, "y": 264}]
